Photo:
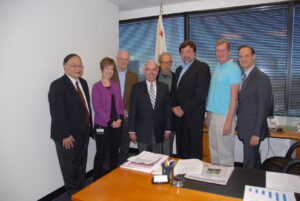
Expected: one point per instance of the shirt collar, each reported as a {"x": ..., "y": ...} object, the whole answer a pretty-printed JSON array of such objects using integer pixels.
[
  {"x": 148, "y": 83},
  {"x": 249, "y": 70},
  {"x": 72, "y": 79},
  {"x": 185, "y": 66},
  {"x": 225, "y": 64},
  {"x": 122, "y": 72},
  {"x": 161, "y": 74}
]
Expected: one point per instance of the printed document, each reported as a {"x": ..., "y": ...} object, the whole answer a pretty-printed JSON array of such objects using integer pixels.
[
  {"x": 253, "y": 193},
  {"x": 282, "y": 181}
]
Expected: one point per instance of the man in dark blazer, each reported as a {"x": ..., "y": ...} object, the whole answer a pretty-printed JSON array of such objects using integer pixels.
[
  {"x": 150, "y": 112},
  {"x": 71, "y": 122},
  {"x": 127, "y": 79},
  {"x": 165, "y": 75},
  {"x": 189, "y": 92},
  {"x": 254, "y": 103}
]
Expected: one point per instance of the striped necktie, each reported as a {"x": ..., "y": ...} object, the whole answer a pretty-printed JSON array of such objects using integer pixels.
[
  {"x": 152, "y": 95},
  {"x": 244, "y": 77}
]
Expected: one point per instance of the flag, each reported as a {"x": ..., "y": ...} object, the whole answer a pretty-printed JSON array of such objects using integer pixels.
[{"x": 160, "y": 46}]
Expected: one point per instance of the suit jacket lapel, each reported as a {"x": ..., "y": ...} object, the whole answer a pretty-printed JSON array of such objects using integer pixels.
[
  {"x": 70, "y": 85},
  {"x": 86, "y": 92},
  {"x": 145, "y": 89},
  {"x": 73, "y": 89},
  {"x": 126, "y": 84},
  {"x": 178, "y": 71},
  {"x": 158, "y": 95},
  {"x": 186, "y": 73}
]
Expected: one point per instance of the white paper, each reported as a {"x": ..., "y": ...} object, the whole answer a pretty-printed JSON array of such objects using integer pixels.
[
  {"x": 282, "y": 181},
  {"x": 188, "y": 166},
  {"x": 145, "y": 157},
  {"x": 213, "y": 174},
  {"x": 253, "y": 193},
  {"x": 145, "y": 162}
]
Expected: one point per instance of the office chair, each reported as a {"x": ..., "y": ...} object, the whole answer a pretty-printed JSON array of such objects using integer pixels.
[{"x": 284, "y": 164}]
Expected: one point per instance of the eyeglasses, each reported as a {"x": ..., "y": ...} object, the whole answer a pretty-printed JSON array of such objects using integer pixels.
[
  {"x": 76, "y": 66},
  {"x": 166, "y": 62}
]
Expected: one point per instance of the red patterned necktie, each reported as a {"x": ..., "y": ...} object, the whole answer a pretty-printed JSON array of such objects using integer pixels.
[{"x": 87, "y": 115}]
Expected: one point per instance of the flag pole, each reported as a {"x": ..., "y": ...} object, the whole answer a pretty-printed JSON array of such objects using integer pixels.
[
  {"x": 160, "y": 45},
  {"x": 161, "y": 7}
]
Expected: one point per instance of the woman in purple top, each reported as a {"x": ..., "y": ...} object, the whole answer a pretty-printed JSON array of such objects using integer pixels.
[{"x": 109, "y": 110}]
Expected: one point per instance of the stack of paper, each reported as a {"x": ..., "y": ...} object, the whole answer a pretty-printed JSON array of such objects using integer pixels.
[
  {"x": 145, "y": 162},
  {"x": 188, "y": 166},
  {"x": 198, "y": 170}
]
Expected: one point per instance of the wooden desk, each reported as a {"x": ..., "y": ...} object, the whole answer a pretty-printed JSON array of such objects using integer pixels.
[
  {"x": 128, "y": 185},
  {"x": 287, "y": 134},
  {"x": 290, "y": 134}
]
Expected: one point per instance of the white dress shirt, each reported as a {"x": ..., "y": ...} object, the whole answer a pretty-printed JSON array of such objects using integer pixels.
[{"x": 79, "y": 84}]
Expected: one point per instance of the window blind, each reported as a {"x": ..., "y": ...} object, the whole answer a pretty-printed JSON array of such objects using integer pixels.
[
  {"x": 139, "y": 39},
  {"x": 294, "y": 105},
  {"x": 264, "y": 28}
]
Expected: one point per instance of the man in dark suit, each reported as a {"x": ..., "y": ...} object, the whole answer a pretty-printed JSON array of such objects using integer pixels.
[
  {"x": 127, "y": 79},
  {"x": 254, "y": 103},
  {"x": 71, "y": 122},
  {"x": 189, "y": 92},
  {"x": 165, "y": 75},
  {"x": 150, "y": 112}
]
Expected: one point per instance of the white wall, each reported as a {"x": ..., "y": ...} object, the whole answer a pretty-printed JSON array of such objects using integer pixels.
[
  {"x": 34, "y": 38},
  {"x": 189, "y": 6}
]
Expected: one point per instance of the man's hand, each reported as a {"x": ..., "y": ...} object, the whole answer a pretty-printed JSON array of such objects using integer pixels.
[
  {"x": 125, "y": 114},
  {"x": 207, "y": 119},
  {"x": 119, "y": 123},
  {"x": 167, "y": 134},
  {"x": 178, "y": 111},
  {"x": 132, "y": 137},
  {"x": 116, "y": 124},
  {"x": 254, "y": 140},
  {"x": 227, "y": 127},
  {"x": 68, "y": 142}
]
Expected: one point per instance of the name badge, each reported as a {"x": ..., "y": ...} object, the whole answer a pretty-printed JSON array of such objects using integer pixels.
[{"x": 100, "y": 131}]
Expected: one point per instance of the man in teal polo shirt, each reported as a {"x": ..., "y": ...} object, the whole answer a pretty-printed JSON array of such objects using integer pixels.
[{"x": 221, "y": 106}]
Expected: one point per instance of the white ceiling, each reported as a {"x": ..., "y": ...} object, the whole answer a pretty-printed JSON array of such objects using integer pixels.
[{"x": 125, "y": 5}]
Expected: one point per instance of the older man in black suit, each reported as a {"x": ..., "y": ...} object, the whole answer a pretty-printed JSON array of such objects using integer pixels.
[
  {"x": 71, "y": 122},
  {"x": 254, "y": 103},
  {"x": 189, "y": 91},
  {"x": 150, "y": 112}
]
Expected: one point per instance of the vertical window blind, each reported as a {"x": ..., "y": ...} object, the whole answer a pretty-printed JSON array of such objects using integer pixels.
[
  {"x": 294, "y": 105},
  {"x": 264, "y": 28}
]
